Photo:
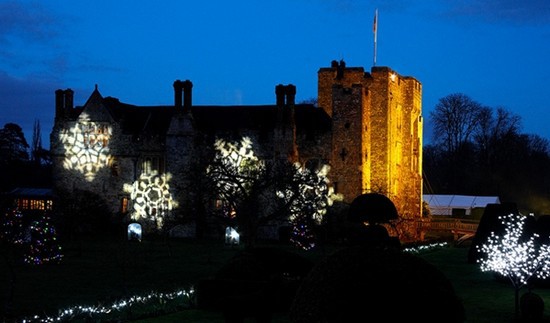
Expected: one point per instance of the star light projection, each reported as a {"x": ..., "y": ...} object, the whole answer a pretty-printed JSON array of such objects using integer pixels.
[
  {"x": 151, "y": 199},
  {"x": 86, "y": 146},
  {"x": 515, "y": 256}
]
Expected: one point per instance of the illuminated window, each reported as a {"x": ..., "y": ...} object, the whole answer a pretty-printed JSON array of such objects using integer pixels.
[
  {"x": 124, "y": 205},
  {"x": 153, "y": 165},
  {"x": 147, "y": 166},
  {"x": 114, "y": 167},
  {"x": 32, "y": 204}
]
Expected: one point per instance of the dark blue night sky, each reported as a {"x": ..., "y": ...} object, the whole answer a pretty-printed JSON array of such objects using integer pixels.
[{"x": 236, "y": 52}]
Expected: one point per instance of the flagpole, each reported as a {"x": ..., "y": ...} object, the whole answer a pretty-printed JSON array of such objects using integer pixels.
[{"x": 375, "y": 31}]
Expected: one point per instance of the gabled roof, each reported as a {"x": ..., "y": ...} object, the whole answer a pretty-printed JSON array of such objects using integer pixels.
[{"x": 95, "y": 107}]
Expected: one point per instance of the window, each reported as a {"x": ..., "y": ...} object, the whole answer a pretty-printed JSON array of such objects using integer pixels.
[
  {"x": 124, "y": 205},
  {"x": 153, "y": 165},
  {"x": 32, "y": 204}
]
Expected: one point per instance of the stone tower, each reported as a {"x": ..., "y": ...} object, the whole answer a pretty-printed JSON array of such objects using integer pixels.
[{"x": 376, "y": 133}]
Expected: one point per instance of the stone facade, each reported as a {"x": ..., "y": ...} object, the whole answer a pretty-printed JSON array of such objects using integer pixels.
[{"x": 146, "y": 159}]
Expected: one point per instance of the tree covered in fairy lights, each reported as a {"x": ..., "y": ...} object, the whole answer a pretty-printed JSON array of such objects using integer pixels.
[
  {"x": 43, "y": 245},
  {"x": 307, "y": 198},
  {"x": 11, "y": 229},
  {"x": 37, "y": 240},
  {"x": 254, "y": 191},
  {"x": 514, "y": 255}
]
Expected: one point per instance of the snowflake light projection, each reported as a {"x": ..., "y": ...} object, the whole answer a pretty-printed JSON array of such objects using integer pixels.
[
  {"x": 240, "y": 175},
  {"x": 235, "y": 170},
  {"x": 241, "y": 166},
  {"x": 86, "y": 146},
  {"x": 151, "y": 198},
  {"x": 515, "y": 256}
]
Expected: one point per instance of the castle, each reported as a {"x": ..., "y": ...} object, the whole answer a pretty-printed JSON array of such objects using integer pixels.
[{"x": 366, "y": 125}]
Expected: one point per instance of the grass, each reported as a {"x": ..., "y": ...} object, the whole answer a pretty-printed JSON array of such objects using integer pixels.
[{"x": 105, "y": 271}]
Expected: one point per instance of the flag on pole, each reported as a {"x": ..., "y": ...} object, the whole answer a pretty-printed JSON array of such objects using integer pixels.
[
  {"x": 375, "y": 24},
  {"x": 374, "y": 30}
]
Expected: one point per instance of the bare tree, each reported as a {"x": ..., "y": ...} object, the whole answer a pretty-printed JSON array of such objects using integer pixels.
[
  {"x": 36, "y": 146},
  {"x": 455, "y": 119},
  {"x": 493, "y": 133},
  {"x": 254, "y": 192}
]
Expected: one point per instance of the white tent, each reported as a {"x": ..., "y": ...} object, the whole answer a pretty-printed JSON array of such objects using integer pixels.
[{"x": 445, "y": 204}]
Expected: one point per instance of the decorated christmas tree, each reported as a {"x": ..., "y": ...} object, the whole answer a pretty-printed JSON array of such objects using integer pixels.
[{"x": 43, "y": 245}]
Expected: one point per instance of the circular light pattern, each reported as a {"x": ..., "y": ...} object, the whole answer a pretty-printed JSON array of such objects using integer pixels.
[
  {"x": 151, "y": 198},
  {"x": 86, "y": 146}
]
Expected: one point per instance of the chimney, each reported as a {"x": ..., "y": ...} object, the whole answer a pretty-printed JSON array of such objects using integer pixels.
[
  {"x": 280, "y": 95},
  {"x": 59, "y": 103},
  {"x": 69, "y": 98},
  {"x": 178, "y": 87},
  {"x": 290, "y": 94},
  {"x": 340, "y": 69},
  {"x": 187, "y": 95}
]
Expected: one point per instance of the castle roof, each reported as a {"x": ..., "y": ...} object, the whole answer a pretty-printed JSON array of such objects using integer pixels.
[{"x": 155, "y": 120}]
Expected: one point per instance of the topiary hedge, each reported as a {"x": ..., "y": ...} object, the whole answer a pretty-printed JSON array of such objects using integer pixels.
[{"x": 360, "y": 284}]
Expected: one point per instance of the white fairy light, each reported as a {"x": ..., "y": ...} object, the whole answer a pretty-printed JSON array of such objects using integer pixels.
[
  {"x": 69, "y": 314},
  {"x": 515, "y": 256}
]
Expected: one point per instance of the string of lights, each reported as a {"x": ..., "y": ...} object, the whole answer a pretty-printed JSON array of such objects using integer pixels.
[
  {"x": 418, "y": 249},
  {"x": 71, "y": 313}
]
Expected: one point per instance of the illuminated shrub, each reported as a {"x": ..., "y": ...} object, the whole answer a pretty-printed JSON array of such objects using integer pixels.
[
  {"x": 360, "y": 284},
  {"x": 489, "y": 222}
]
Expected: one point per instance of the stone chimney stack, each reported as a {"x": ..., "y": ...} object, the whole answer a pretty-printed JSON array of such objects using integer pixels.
[
  {"x": 63, "y": 102},
  {"x": 280, "y": 95},
  {"x": 187, "y": 95},
  {"x": 340, "y": 68},
  {"x": 59, "y": 103},
  {"x": 69, "y": 99},
  {"x": 290, "y": 92},
  {"x": 178, "y": 88}
]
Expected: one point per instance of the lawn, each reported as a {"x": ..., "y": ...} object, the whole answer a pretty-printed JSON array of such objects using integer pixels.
[{"x": 102, "y": 272}]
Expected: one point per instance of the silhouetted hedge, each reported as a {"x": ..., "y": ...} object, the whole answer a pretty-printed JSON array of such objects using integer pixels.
[
  {"x": 360, "y": 284},
  {"x": 255, "y": 282}
]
